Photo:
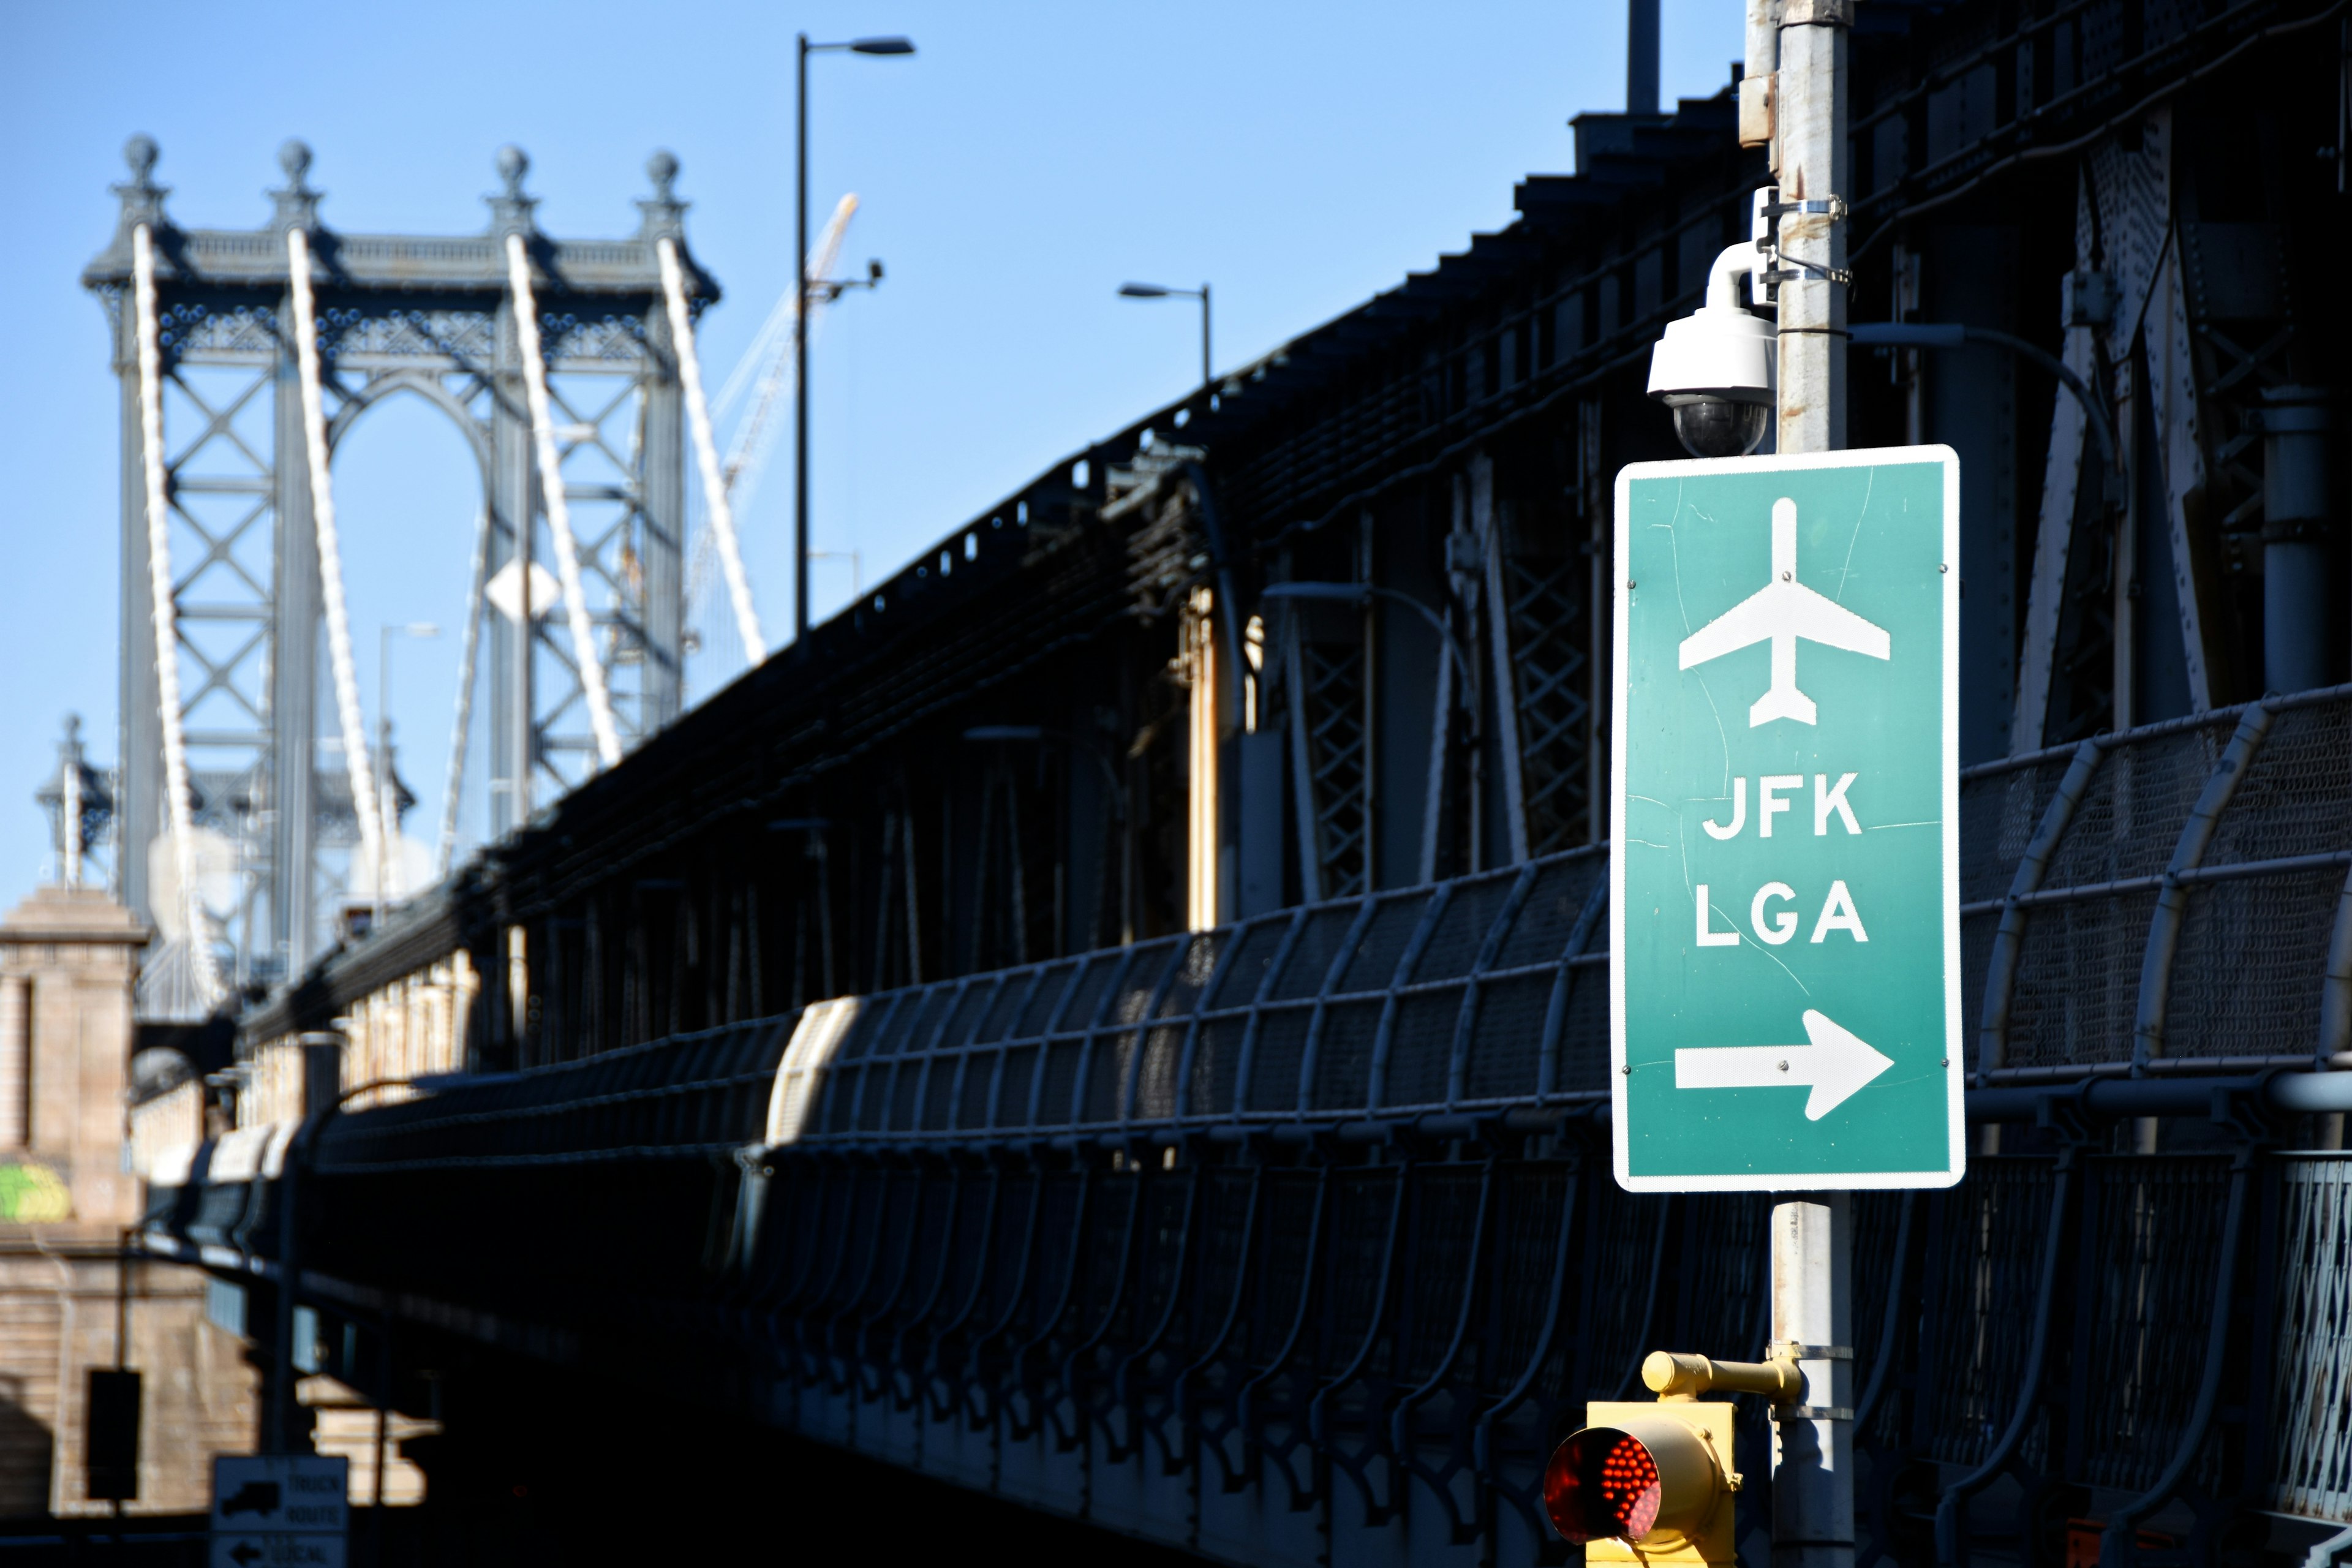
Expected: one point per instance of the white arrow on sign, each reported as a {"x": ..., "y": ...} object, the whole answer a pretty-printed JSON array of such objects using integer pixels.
[{"x": 1834, "y": 1066}]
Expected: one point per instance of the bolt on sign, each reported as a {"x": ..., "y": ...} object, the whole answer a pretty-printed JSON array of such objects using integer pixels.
[{"x": 1784, "y": 955}]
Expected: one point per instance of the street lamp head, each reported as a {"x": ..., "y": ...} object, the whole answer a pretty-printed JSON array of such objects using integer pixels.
[
  {"x": 1143, "y": 291},
  {"x": 802, "y": 296}
]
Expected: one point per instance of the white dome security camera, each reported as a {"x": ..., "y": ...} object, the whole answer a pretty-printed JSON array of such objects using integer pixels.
[{"x": 1714, "y": 367}]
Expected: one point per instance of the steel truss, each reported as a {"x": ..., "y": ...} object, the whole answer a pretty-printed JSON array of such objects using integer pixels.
[
  {"x": 1545, "y": 597},
  {"x": 428, "y": 318},
  {"x": 1325, "y": 692}
]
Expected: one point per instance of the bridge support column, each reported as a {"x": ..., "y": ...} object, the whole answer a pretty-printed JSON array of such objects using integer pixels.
[{"x": 2296, "y": 589}]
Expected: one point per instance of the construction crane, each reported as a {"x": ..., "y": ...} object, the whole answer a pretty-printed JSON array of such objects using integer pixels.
[{"x": 766, "y": 374}]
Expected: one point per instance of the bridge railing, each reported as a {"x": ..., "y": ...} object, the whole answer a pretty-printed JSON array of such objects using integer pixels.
[
  {"x": 1305, "y": 1225},
  {"x": 2310, "y": 1396},
  {"x": 1368, "y": 1331},
  {"x": 2163, "y": 900},
  {"x": 1477, "y": 993},
  {"x": 688, "y": 1098}
]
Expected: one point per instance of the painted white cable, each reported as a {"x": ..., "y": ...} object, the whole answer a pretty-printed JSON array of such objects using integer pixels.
[
  {"x": 705, "y": 451},
  {"x": 453, "y": 788},
  {"x": 756, "y": 436},
  {"x": 558, "y": 510},
  {"x": 166, "y": 617},
  {"x": 770, "y": 358},
  {"x": 347, "y": 716}
]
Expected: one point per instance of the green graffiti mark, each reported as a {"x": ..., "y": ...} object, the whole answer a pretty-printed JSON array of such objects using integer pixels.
[{"x": 33, "y": 1195}]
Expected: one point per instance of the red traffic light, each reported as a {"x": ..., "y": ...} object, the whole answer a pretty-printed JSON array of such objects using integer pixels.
[
  {"x": 1647, "y": 1484},
  {"x": 1602, "y": 1484}
]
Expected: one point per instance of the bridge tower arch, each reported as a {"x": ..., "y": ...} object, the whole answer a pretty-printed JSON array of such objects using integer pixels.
[{"x": 429, "y": 315}]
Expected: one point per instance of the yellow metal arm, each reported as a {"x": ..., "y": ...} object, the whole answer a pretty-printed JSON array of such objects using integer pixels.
[{"x": 1678, "y": 1375}]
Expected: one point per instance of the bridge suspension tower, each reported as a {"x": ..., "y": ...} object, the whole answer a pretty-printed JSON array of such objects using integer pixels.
[{"x": 245, "y": 805}]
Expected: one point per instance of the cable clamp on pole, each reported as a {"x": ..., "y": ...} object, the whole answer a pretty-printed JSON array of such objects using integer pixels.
[
  {"x": 1798, "y": 1351},
  {"x": 1831, "y": 207},
  {"x": 1799, "y": 270},
  {"x": 1767, "y": 210}
]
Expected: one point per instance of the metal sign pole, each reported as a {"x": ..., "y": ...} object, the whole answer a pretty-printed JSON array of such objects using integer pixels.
[
  {"x": 1784, "y": 985},
  {"x": 1812, "y": 1440},
  {"x": 1813, "y": 1250},
  {"x": 1810, "y": 122}
]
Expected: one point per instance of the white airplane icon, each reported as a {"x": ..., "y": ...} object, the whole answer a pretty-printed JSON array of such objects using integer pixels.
[{"x": 1780, "y": 612}]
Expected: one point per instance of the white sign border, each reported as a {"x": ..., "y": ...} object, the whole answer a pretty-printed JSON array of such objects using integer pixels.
[{"x": 1955, "y": 1073}]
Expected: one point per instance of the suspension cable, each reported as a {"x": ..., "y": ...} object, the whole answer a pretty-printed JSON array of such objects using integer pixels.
[
  {"x": 478, "y": 587},
  {"x": 705, "y": 452},
  {"x": 357, "y": 766},
  {"x": 166, "y": 616},
  {"x": 766, "y": 366},
  {"x": 559, "y": 509}
]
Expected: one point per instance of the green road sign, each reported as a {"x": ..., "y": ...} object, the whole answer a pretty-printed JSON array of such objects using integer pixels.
[{"x": 1784, "y": 953}]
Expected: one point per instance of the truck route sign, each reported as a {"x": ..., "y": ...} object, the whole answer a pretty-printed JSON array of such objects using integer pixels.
[
  {"x": 1784, "y": 963},
  {"x": 280, "y": 1510}
]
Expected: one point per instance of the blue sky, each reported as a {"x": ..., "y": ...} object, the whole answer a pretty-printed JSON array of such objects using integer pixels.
[{"x": 1028, "y": 160}]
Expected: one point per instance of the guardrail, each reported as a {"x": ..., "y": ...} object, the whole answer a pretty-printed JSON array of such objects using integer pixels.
[
  {"x": 2170, "y": 899},
  {"x": 1383, "y": 1337},
  {"x": 1303, "y": 1227}
]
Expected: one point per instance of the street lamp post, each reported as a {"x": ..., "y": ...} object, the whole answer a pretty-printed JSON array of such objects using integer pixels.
[
  {"x": 387, "y": 814},
  {"x": 800, "y": 315},
  {"x": 1160, "y": 291}
]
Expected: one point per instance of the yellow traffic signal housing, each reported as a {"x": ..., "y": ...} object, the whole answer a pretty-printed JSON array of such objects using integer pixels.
[
  {"x": 1654, "y": 1483},
  {"x": 1646, "y": 1483}
]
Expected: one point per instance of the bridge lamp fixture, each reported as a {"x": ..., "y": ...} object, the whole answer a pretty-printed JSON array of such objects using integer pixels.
[{"x": 1162, "y": 291}]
